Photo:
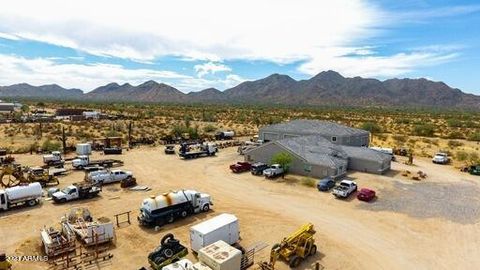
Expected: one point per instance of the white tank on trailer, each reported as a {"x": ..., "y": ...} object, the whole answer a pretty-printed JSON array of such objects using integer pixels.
[
  {"x": 168, "y": 199},
  {"x": 20, "y": 192},
  {"x": 83, "y": 149},
  {"x": 229, "y": 133}
]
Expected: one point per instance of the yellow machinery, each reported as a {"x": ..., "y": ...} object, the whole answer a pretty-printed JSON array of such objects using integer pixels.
[{"x": 293, "y": 249}]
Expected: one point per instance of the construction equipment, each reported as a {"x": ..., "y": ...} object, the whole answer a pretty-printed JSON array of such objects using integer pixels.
[
  {"x": 11, "y": 174},
  {"x": 293, "y": 249},
  {"x": 41, "y": 175}
]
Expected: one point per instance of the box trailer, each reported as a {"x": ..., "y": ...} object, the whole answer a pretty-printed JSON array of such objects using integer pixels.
[{"x": 222, "y": 227}]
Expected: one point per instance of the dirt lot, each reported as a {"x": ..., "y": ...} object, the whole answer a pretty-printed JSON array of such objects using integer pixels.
[{"x": 400, "y": 230}]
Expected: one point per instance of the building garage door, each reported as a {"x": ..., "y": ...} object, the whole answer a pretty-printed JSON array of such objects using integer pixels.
[{"x": 268, "y": 136}]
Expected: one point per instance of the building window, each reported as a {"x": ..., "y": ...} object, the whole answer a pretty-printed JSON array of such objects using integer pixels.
[{"x": 334, "y": 139}]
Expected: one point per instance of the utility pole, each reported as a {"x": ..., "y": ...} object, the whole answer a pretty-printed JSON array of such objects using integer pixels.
[
  {"x": 130, "y": 135},
  {"x": 64, "y": 141}
]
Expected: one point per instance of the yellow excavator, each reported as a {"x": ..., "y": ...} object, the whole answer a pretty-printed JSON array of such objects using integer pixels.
[{"x": 293, "y": 249}]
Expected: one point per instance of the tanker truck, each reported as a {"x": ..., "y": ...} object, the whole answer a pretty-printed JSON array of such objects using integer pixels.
[
  {"x": 224, "y": 135},
  {"x": 29, "y": 195},
  {"x": 166, "y": 208}
]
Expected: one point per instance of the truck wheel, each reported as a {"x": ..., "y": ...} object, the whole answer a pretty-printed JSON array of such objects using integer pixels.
[
  {"x": 170, "y": 219},
  {"x": 184, "y": 214},
  {"x": 294, "y": 261},
  {"x": 313, "y": 250},
  {"x": 63, "y": 200},
  {"x": 205, "y": 208},
  {"x": 31, "y": 202}
]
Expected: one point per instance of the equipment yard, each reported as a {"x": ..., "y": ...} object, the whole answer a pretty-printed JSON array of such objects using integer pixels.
[{"x": 429, "y": 224}]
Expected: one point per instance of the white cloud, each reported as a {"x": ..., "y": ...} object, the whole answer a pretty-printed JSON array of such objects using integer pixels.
[
  {"x": 210, "y": 68},
  {"x": 372, "y": 65},
  {"x": 39, "y": 71},
  {"x": 276, "y": 30}
]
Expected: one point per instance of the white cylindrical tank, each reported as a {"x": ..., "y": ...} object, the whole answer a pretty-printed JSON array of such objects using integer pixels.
[
  {"x": 84, "y": 149},
  {"x": 19, "y": 192},
  {"x": 221, "y": 256},
  {"x": 164, "y": 200}
]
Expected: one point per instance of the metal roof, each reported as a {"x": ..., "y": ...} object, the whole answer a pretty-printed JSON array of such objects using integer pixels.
[
  {"x": 316, "y": 150},
  {"x": 366, "y": 153},
  {"x": 320, "y": 127}
]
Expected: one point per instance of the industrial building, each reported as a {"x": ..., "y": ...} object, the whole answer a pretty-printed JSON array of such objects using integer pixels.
[
  {"x": 7, "y": 107},
  {"x": 318, "y": 154},
  {"x": 333, "y": 132}
]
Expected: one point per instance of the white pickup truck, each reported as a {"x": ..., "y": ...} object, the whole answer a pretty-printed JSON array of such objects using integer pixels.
[
  {"x": 344, "y": 189},
  {"x": 274, "y": 171},
  {"x": 440, "y": 158},
  {"x": 108, "y": 176}
]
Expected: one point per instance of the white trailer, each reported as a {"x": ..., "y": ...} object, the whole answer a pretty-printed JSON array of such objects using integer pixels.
[
  {"x": 29, "y": 195},
  {"x": 222, "y": 227}
]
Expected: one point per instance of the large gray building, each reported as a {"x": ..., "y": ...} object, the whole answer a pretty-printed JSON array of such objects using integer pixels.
[
  {"x": 333, "y": 132},
  {"x": 317, "y": 156}
]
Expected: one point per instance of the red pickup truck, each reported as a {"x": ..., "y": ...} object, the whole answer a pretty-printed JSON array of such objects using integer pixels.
[{"x": 240, "y": 167}]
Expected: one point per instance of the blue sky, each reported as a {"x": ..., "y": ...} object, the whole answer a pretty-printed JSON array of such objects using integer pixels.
[{"x": 193, "y": 45}]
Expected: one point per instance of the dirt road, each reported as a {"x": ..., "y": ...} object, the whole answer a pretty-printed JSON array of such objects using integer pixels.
[{"x": 349, "y": 235}]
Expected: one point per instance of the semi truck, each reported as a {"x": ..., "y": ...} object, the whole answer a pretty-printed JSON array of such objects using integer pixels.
[
  {"x": 84, "y": 161},
  {"x": 75, "y": 192},
  {"x": 29, "y": 195},
  {"x": 189, "y": 151},
  {"x": 166, "y": 208}
]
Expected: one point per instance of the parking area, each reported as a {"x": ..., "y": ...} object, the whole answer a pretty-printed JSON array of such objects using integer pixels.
[{"x": 410, "y": 223}]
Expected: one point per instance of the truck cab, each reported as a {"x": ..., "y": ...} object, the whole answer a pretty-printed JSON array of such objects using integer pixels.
[
  {"x": 80, "y": 162},
  {"x": 67, "y": 194},
  {"x": 54, "y": 158}
]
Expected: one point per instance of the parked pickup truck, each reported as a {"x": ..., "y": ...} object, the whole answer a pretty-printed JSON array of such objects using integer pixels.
[
  {"x": 440, "y": 158},
  {"x": 344, "y": 189},
  {"x": 274, "y": 171},
  {"x": 258, "y": 167},
  {"x": 76, "y": 191},
  {"x": 107, "y": 176},
  {"x": 240, "y": 167}
]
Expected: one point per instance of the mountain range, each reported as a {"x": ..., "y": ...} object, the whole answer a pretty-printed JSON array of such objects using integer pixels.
[{"x": 326, "y": 88}]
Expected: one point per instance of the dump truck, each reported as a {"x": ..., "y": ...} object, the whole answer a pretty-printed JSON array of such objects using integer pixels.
[
  {"x": 169, "y": 251},
  {"x": 29, "y": 195},
  {"x": 75, "y": 192},
  {"x": 84, "y": 161},
  {"x": 166, "y": 208},
  {"x": 293, "y": 249},
  {"x": 189, "y": 151},
  {"x": 222, "y": 227}
]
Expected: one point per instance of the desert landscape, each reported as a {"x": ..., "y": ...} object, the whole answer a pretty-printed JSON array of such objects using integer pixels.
[{"x": 409, "y": 224}]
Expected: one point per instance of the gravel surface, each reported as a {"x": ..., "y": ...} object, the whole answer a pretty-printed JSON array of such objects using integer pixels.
[{"x": 458, "y": 202}]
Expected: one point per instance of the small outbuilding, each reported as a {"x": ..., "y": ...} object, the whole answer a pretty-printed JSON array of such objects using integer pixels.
[{"x": 331, "y": 131}]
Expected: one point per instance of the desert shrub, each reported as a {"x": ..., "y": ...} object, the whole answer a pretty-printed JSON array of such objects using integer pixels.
[
  {"x": 461, "y": 155},
  {"x": 427, "y": 130},
  {"x": 309, "y": 182},
  {"x": 455, "y": 135},
  {"x": 209, "y": 128},
  {"x": 372, "y": 127},
  {"x": 405, "y": 121},
  {"x": 453, "y": 144},
  {"x": 474, "y": 136},
  {"x": 399, "y": 138},
  {"x": 381, "y": 137},
  {"x": 49, "y": 146},
  {"x": 454, "y": 123}
]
